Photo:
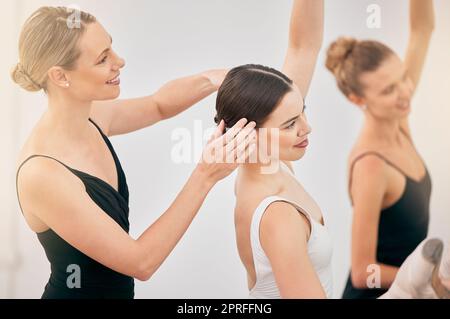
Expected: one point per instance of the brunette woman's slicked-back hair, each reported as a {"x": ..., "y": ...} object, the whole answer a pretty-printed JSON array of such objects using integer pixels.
[{"x": 250, "y": 91}]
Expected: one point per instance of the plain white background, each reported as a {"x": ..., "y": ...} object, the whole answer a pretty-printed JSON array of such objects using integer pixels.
[{"x": 162, "y": 40}]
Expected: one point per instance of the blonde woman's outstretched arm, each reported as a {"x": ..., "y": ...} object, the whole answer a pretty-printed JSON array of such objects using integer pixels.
[{"x": 117, "y": 117}]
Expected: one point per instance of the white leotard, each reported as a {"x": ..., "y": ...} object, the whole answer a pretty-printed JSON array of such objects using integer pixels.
[{"x": 319, "y": 251}]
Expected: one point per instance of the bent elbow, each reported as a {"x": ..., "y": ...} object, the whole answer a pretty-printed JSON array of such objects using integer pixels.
[
  {"x": 359, "y": 282},
  {"x": 429, "y": 29},
  {"x": 143, "y": 277},
  {"x": 424, "y": 30},
  {"x": 144, "y": 265},
  {"x": 359, "y": 278},
  {"x": 143, "y": 268},
  {"x": 143, "y": 273}
]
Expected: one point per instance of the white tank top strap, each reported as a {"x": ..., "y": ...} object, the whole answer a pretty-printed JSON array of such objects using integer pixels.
[{"x": 259, "y": 212}]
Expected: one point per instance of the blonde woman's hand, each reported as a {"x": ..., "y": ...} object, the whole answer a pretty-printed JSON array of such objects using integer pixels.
[{"x": 225, "y": 151}]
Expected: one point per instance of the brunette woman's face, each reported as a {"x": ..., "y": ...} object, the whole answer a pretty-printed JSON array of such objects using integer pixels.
[{"x": 286, "y": 126}]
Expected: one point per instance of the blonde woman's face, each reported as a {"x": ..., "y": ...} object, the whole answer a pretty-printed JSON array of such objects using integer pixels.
[
  {"x": 96, "y": 75},
  {"x": 388, "y": 90}
]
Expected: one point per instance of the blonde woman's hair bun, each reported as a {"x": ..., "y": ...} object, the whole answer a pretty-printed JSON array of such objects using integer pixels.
[
  {"x": 46, "y": 40},
  {"x": 338, "y": 52},
  {"x": 21, "y": 77}
]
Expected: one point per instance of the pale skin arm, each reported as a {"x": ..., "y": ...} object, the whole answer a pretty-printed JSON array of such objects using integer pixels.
[
  {"x": 117, "y": 117},
  {"x": 58, "y": 198},
  {"x": 422, "y": 22},
  {"x": 305, "y": 41},
  {"x": 369, "y": 184},
  {"x": 284, "y": 235}
]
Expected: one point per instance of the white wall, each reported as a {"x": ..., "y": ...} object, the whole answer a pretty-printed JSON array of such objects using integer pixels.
[
  {"x": 161, "y": 40},
  {"x": 8, "y": 140}
]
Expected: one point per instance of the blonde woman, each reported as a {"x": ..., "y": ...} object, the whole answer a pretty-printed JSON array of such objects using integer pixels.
[
  {"x": 70, "y": 184},
  {"x": 389, "y": 184}
]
